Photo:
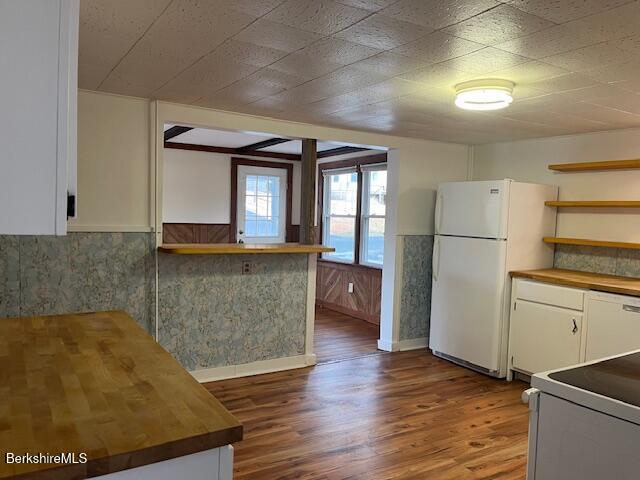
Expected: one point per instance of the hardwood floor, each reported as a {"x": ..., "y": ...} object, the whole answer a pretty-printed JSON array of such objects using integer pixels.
[
  {"x": 406, "y": 415},
  {"x": 338, "y": 336}
]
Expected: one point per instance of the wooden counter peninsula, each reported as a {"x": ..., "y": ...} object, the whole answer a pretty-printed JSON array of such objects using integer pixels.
[
  {"x": 241, "y": 248},
  {"x": 98, "y": 384}
]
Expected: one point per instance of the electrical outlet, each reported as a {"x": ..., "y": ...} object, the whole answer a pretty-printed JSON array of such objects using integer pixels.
[
  {"x": 246, "y": 268},
  {"x": 350, "y": 287}
]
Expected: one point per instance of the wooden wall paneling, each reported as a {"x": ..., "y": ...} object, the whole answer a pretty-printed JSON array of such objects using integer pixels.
[
  {"x": 360, "y": 298},
  {"x": 178, "y": 233},
  {"x": 217, "y": 233},
  {"x": 376, "y": 296},
  {"x": 195, "y": 232},
  {"x": 332, "y": 289}
]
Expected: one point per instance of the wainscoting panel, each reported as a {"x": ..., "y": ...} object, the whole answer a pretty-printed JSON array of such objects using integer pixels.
[
  {"x": 332, "y": 290},
  {"x": 209, "y": 233},
  {"x": 195, "y": 232}
]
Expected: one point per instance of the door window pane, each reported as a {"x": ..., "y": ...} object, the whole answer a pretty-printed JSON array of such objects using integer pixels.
[
  {"x": 262, "y": 206},
  {"x": 374, "y": 241},
  {"x": 341, "y": 234}
]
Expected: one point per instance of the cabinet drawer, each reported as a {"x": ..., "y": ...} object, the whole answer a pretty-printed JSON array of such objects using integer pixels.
[{"x": 549, "y": 294}]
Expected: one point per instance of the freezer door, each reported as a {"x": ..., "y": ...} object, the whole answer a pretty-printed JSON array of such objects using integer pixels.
[
  {"x": 473, "y": 209},
  {"x": 467, "y": 320}
]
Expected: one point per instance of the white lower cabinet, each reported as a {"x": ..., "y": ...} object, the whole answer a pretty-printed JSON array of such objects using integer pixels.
[
  {"x": 544, "y": 337},
  {"x": 614, "y": 325},
  {"x": 553, "y": 326}
]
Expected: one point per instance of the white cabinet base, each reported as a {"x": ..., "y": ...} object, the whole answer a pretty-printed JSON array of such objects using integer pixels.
[{"x": 216, "y": 464}]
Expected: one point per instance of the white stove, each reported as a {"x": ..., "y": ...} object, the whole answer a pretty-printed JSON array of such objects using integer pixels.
[{"x": 585, "y": 421}]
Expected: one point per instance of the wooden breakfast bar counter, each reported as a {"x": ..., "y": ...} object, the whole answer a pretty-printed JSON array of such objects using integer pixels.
[{"x": 97, "y": 384}]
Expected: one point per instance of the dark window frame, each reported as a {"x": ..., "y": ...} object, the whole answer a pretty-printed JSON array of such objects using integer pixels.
[
  {"x": 233, "y": 214},
  {"x": 357, "y": 162}
]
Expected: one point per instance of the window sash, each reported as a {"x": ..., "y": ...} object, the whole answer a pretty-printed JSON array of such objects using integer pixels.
[{"x": 361, "y": 222}]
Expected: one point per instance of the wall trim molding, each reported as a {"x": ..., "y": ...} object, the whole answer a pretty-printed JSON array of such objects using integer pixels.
[
  {"x": 109, "y": 228},
  {"x": 403, "y": 345},
  {"x": 213, "y": 374}
]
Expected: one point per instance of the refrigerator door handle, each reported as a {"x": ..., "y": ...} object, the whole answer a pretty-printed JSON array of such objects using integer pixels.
[
  {"x": 438, "y": 213},
  {"x": 436, "y": 260}
]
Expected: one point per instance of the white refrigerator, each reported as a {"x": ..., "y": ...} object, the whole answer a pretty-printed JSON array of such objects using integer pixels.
[{"x": 484, "y": 230}]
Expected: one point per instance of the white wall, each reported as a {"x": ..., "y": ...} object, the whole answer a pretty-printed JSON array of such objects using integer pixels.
[
  {"x": 527, "y": 160},
  {"x": 114, "y": 164},
  {"x": 197, "y": 187}
]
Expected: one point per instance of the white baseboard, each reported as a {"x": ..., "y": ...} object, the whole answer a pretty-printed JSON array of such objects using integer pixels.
[
  {"x": 254, "y": 368},
  {"x": 403, "y": 345},
  {"x": 386, "y": 345}
]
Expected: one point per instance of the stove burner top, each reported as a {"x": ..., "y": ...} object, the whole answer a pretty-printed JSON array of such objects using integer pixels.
[{"x": 618, "y": 378}]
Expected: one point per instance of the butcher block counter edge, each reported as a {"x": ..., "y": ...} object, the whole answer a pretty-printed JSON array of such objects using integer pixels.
[
  {"x": 587, "y": 280},
  {"x": 136, "y": 372},
  {"x": 240, "y": 248}
]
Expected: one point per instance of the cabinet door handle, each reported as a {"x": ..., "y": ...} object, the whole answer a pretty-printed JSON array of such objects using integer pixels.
[
  {"x": 575, "y": 326},
  {"x": 631, "y": 308}
]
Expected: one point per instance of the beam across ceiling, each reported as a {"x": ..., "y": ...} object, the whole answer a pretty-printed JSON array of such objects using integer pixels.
[
  {"x": 340, "y": 151},
  {"x": 264, "y": 144},
  {"x": 231, "y": 151},
  {"x": 175, "y": 131}
]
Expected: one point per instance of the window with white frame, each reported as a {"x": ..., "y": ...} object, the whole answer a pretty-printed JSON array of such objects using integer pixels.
[
  {"x": 353, "y": 214},
  {"x": 374, "y": 196},
  {"x": 340, "y": 206}
]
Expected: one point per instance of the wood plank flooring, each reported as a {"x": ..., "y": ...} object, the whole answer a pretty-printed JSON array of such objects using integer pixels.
[
  {"x": 338, "y": 336},
  {"x": 406, "y": 415}
]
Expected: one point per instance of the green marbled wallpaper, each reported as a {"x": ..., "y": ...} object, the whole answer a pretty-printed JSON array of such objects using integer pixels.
[
  {"x": 211, "y": 315},
  {"x": 79, "y": 272}
]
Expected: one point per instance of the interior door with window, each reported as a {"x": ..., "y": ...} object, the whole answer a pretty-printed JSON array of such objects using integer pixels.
[{"x": 261, "y": 215}]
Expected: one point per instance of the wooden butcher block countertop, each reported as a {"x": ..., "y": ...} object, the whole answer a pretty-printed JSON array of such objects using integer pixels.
[
  {"x": 591, "y": 281},
  {"x": 98, "y": 383}
]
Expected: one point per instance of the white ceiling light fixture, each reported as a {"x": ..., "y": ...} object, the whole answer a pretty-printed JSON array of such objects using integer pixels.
[{"x": 486, "y": 94}]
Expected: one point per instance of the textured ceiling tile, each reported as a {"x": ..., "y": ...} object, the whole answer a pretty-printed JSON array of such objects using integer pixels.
[
  {"x": 256, "y": 8},
  {"x": 184, "y": 33},
  {"x": 371, "y": 94},
  {"x": 241, "y": 92},
  {"x": 389, "y": 64},
  {"x": 618, "y": 22},
  {"x": 561, "y": 11},
  {"x": 498, "y": 25},
  {"x": 107, "y": 31},
  {"x": 437, "y": 47},
  {"x": 205, "y": 77},
  {"x": 554, "y": 40},
  {"x": 629, "y": 85},
  {"x": 274, "y": 77},
  {"x": 320, "y": 16},
  {"x": 438, "y": 14},
  {"x": 628, "y": 70},
  {"x": 561, "y": 120},
  {"x": 371, "y": 5},
  {"x": 570, "y": 81},
  {"x": 436, "y": 75},
  {"x": 630, "y": 44},
  {"x": 249, "y": 53},
  {"x": 529, "y": 72},
  {"x": 385, "y": 33},
  {"x": 626, "y": 103},
  {"x": 590, "y": 57},
  {"x": 304, "y": 66},
  {"x": 615, "y": 118},
  {"x": 338, "y": 50},
  {"x": 277, "y": 36},
  {"x": 484, "y": 61}
]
